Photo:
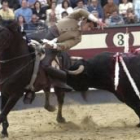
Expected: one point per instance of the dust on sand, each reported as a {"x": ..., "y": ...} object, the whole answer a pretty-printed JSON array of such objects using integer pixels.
[{"x": 111, "y": 121}]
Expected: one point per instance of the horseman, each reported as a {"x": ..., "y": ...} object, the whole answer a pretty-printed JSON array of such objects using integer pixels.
[{"x": 65, "y": 34}]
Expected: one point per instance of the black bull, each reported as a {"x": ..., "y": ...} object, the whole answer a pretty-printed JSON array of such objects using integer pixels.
[{"x": 98, "y": 73}]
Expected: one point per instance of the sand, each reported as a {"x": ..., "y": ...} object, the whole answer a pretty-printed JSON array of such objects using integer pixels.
[{"x": 109, "y": 121}]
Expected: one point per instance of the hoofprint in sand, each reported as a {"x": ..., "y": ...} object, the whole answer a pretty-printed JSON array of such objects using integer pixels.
[{"x": 108, "y": 121}]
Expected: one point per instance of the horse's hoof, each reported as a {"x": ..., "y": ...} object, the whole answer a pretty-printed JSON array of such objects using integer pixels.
[
  {"x": 50, "y": 108},
  {"x": 61, "y": 120},
  {"x": 2, "y": 118},
  {"x": 138, "y": 125}
]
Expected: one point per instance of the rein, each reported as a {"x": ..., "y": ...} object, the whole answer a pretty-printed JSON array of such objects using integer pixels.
[
  {"x": 17, "y": 72},
  {"x": 15, "y": 58}
]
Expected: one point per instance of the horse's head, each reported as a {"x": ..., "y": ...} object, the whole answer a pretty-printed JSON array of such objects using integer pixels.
[
  {"x": 9, "y": 33},
  {"x": 4, "y": 38}
]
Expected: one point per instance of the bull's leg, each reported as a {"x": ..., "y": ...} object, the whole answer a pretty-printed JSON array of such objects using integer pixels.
[
  {"x": 60, "y": 97},
  {"x": 7, "y": 108},
  {"x": 47, "y": 105},
  {"x": 135, "y": 105},
  {"x": 5, "y": 123}
]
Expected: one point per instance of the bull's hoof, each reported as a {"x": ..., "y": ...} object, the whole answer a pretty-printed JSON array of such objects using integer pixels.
[
  {"x": 138, "y": 125},
  {"x": 4, "y": 135},
  {"x": 50, "y": 108},
  {"x": 60, "y": 120}
]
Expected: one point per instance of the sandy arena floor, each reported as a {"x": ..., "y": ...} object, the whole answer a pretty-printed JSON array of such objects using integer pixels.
[{"x": 112, "y": 121}]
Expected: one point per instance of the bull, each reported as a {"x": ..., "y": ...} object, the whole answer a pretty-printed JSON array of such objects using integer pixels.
[{"x": 100, "y": 72}]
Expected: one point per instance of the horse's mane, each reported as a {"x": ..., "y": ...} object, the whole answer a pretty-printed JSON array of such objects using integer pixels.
[
  {"x": 11, "y": 25},
  {"x": 8, "y": 32}
]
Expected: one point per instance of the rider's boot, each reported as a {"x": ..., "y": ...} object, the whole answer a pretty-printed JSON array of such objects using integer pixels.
[
  {"x": 58, "y": 78},
  {"x": 29, "y": 96}
]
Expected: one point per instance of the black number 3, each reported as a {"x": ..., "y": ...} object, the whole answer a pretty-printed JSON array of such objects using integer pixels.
[{"x": 121, "y": 39}]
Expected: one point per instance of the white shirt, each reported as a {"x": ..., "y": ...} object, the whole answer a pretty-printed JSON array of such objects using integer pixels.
[
  {"x": 69, "y": 10},
  {"x": 123, "y": 7},
  {"x": 59, "y": 8},
  {"x": 43, "y": 2}
]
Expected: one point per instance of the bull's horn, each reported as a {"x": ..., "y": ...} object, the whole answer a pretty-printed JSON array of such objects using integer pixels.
[{"x": 78, "y": 71}]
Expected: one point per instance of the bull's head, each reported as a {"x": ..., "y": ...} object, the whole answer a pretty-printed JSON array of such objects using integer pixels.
[
  {"x": 77, "y": 71},
  {"x": 77, "y": 76}
]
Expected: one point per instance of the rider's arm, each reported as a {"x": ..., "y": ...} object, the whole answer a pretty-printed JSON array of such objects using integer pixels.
[
  {"x": 83, "y": 13},
  {"x": 77, "y": 14}
]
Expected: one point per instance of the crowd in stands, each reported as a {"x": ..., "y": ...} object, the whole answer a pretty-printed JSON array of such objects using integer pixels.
[{"x": 36, "y": 14}]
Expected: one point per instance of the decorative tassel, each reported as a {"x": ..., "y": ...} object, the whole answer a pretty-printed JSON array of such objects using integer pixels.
[
  {"x": 117, "y": 68},
  {"x": 133, "y": 84},
  {"x": 126, "y": 41}
]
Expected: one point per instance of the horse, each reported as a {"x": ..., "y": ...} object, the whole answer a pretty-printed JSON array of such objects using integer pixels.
[{"x": 17, "y": 64}]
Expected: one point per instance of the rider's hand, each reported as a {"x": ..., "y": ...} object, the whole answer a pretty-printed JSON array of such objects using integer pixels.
[
  {"x": 101, "y": 24},
  {"x": 51, "y": 43},
  {"x": 54, "y": 46}
]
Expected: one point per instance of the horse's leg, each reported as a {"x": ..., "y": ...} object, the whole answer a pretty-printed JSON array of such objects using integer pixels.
[
  {"x": 47, "y": 105},
  {"x": 5, "y": 123},
  {"x": 60, "y": 97},
  {"x": 8, "y": 106}
]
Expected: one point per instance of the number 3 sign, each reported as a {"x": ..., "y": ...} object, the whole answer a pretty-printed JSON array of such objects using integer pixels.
[{"x": 119, "y": 39}]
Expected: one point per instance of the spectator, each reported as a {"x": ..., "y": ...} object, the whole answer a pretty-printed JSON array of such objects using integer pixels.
[
  {"x": 22, "y": 23},
  {"x": 80, "y": 5},
  {"x": 49, "y": 2},
  {"x": 117, "y": 2},
  {"x": 35, "y": 24},
  {"x": 13, "y": 4},
  {"x": 64, "y": 14},
  {"x": 39, "y": 11},
  {"x": 137, "y": 8},
  {"x": 115, "y": 19},
  {"x": 130, "y": 17},
  {"x": 24, "y": 11},
  {"x": 66, "y": 7},
  {"x": 31, "y": 3},
  {"x": 104, "y": 2},
  {"x": 73, "y": 3},
  {"x": 109, "y": 8},
  {"x": 52, "y": 15},
  {"x": 96, "y": 14},
  {"x": 95, "y": 6},
  {"x": 44, "y": 4},
  {"x": 6, "y": 13},
  {"x": 124, "y": 6}
]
